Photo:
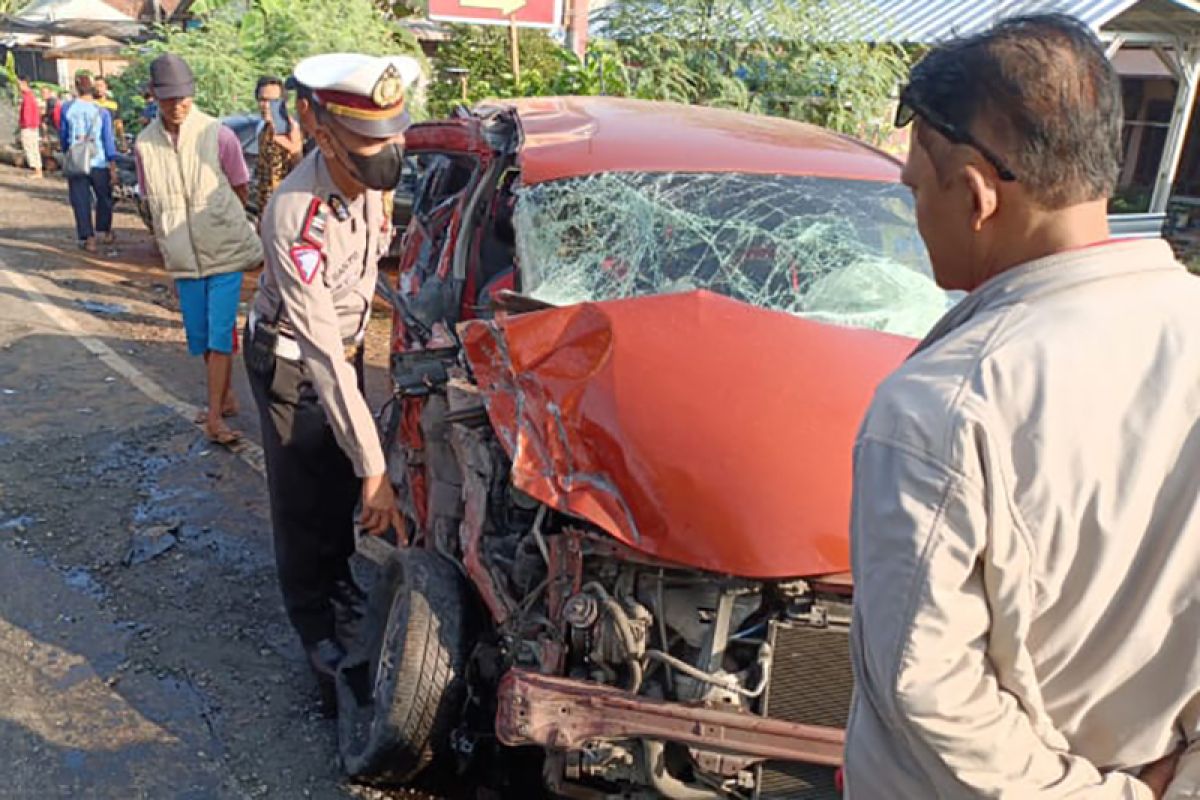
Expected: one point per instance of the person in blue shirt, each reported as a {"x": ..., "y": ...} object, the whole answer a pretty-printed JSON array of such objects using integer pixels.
[
  {"x": 83, "y": 119},
  {"x": 150, "y": 110}
]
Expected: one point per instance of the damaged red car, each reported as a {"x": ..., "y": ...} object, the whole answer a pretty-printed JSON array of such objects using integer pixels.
[{"x": 632, "y": 344}]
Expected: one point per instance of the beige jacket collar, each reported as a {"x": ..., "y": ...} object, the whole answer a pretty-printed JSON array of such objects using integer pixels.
[{"x": 1055, "y": 273}]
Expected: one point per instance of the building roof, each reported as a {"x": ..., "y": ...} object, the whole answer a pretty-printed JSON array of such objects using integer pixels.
[
  {"x": 568, "y": 137},
  {"x": 80, "y": 18},
  {"x": 931, "y": 21},
  {"x": 928, "y": 21},
  {"x": 50, "y": 10}
]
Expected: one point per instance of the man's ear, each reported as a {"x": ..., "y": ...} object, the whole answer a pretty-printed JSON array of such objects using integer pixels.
[
  {"x": 984, "y": 193},
  {"x": 308, "y": 118}
]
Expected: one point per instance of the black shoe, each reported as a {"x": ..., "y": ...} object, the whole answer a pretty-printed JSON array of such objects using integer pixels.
[{"x": 324, "y": 658}]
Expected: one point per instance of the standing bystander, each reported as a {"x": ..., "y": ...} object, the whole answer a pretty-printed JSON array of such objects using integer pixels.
[
  {"x": 1027, "y": 485},
  {"x": 278, "y": 150},
  {"x": 84, "y": 121},
  {"x": 105, "y": 100},
  {"x": 51, "y": 110},
  {"x": 193, "y": 176},
  {"x": 31, "y": 128},
  {"x": 149, "y": 110}
]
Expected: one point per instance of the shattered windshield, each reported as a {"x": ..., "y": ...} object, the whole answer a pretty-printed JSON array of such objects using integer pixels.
[{"x": 839, "y": 251}]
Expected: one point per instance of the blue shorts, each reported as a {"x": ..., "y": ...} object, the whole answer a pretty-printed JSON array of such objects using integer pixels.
[{"x": 210, "y": 311}]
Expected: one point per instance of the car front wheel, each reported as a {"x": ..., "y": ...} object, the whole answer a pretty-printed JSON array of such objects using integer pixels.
[{"x": 401, "y": 690}]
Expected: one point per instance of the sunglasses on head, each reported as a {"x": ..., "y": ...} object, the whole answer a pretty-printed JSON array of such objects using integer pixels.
[{"x": 910, "y": 108}]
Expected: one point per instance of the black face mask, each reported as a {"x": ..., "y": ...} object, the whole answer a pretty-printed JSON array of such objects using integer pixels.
[{"x": 380, "y": 171}]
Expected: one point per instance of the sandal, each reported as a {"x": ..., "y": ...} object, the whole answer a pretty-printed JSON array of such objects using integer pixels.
[{"x": 226, "y": 437}]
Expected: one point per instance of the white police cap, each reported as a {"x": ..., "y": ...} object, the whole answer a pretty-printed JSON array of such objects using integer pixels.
[{"x": 365, "y": 93}]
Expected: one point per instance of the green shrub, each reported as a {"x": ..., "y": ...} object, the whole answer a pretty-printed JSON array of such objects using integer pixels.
[
  {"x": 763, "y": 56},
  {"x": 233, "y": 45}
]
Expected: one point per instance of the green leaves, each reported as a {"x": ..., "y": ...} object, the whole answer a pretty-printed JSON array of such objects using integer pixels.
[
  {"x": 794, "y": 59},
  {"x": 10, "y": 78},
  {"x": 483, "y": 52},
  {"x": 790, "y": 58},
  {"x": 238, "y": 41}
]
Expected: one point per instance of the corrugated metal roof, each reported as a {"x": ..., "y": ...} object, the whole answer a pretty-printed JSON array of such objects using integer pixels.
[{"x": 929, "y": 21}]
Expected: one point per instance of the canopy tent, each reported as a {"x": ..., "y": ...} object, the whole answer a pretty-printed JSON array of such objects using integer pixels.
[
  {"x": 49, "y": 26},
  {"x": 73, "y": 18},
  {"x": 93, "y": 48},
  {"x": 20, "y": 31}
]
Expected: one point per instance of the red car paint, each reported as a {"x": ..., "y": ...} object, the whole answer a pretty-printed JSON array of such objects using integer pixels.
[
  {"x": 698, "y": 429},
  {"x": 616, "y": 397},
  {"x": 567, "y": 137}
]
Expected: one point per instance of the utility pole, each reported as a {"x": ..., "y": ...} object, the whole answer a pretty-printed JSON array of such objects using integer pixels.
[
  {"x": 577, "y": 27},
  {"x": 514, "y": 44}
]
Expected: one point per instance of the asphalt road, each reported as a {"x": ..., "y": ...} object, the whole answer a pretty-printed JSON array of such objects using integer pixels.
[{"x": 143, "y": 645}]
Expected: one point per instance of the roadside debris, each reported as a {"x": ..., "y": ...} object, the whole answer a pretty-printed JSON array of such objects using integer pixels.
[
  {"x": 18, "y": 524},
  {"x": 152, "y": 542},
  {"x": 102, "y": 308}
]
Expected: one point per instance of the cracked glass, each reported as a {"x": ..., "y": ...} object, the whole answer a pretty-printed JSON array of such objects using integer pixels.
[{"x": 840, "y": 251}]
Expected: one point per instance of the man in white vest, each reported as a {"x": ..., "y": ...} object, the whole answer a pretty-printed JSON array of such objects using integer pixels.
[{"x": 194, "y": 178}]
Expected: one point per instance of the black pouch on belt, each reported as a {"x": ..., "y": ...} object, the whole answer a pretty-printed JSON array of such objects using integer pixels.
[{"x": 260, "y": 345}]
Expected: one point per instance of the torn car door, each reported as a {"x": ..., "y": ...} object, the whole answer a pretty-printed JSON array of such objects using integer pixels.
[{"x": 458, "y": 161}]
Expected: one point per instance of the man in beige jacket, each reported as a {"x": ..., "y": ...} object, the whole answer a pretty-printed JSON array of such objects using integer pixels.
[{"x": 1026, "y": 518}]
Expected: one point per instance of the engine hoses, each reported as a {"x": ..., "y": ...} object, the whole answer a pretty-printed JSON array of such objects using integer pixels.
[
  {"x": 624, "y": 632},
  {"x": 764, "y": 659}
]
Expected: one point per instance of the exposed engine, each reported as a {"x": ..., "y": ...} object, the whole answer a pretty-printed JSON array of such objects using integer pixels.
[{"x": 568, "y": 601}]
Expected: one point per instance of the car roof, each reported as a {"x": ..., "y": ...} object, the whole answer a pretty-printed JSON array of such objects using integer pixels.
[{"x": 567, "y": 137}]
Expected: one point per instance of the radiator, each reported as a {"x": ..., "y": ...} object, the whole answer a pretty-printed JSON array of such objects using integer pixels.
[{"x": 811, "y": 682}]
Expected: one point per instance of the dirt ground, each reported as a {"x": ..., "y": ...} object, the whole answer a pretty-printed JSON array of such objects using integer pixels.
[{"x": 143, "y": 645}]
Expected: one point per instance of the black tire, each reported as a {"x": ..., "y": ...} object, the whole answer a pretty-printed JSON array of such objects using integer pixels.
[{"x": 401, "y": 689}]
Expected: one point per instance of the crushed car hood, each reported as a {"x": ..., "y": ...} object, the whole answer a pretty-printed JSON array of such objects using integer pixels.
[{"x": 695, "y": 428}]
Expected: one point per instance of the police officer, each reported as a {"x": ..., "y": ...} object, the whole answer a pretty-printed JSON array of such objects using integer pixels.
[{"x": 323, "y": 233}]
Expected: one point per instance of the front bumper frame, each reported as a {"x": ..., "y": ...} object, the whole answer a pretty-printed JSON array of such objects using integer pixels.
[{"x": 563, "y": 714}]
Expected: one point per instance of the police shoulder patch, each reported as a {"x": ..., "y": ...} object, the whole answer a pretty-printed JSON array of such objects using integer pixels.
[
  {"x": 313, "y": 231},
  {"x": 307, "y": 261}
]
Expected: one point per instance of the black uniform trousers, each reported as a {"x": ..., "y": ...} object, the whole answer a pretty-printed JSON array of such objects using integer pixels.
[{"x": 313, "y": 492}]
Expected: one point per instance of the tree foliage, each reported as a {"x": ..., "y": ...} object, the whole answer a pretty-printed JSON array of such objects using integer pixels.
[
  {"x": 9, "y": 74},
  {"x": 790, "y": 58},
  {"x": 236, "y": 43},
  {"x": 481, "y": 55},
  {"x": 402, "y": 8}
]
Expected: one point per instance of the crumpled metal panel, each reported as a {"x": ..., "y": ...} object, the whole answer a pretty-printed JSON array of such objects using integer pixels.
[{"x": 698, "y": 429}]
